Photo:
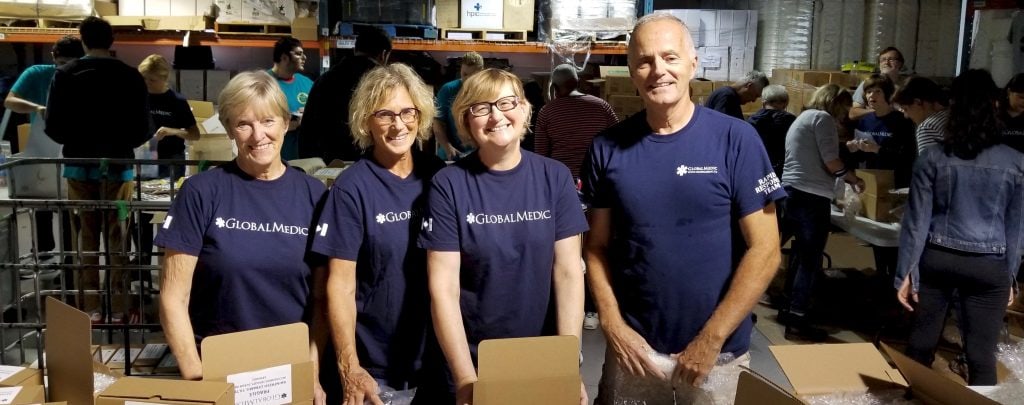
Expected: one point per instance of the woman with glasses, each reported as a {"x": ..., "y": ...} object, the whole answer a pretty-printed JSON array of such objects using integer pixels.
[
  {"x": 376, "y": 286},
  {"x": 502, "y": 240}
]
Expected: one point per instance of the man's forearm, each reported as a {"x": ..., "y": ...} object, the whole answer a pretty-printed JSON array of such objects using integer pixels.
[{"x": 756, "y": 270}]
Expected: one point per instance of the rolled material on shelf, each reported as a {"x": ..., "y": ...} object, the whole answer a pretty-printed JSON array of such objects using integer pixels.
[
  {"x": 785, "y": 34},
  {"x": 68, "y": 9}
]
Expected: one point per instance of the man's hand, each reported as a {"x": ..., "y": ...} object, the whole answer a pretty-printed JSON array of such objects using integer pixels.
[
  {"x": 583, "y": 394},
  {"x": 632, "y": 351},
  {"x": 319, "y": 396},
  {"x": 696, "y": 361},
  {"x": 360, "y": 387}
]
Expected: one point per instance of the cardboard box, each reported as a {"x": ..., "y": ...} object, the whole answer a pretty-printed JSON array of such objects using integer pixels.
[
  {"x": 876, "y": 182},
  {"x": 537, "y": 370},
  {"x": 105, "y": 8},
  {"x": 168, "y": 364},
  {"x": 752, "y": 389},
  {"x": 69, "y": 354},
  {"x": 14, "y": 376},
  {"x": 625, "y": 106},
  {"x": 931, "y": 387},
  {"x": 616, "y": 81},
  {"x": 714, "y": 62},
  {"x": 515, "y": 14},
  {"x": 303, "y": 28},
  {"x": 155, "y": 391},
  {"x": 131, "y": 7},
  {"x": 276, "y": 359},
  {"x": 828, "y": 368},
  {"x": 22, "y": 395},
  {"x": 878, "y": 207},
  {"x": 152, "y": 353},
  {"x": 800, "y": 95},
  {"x": 123, "y": 358},
  {"x": 700, "y": 88}
]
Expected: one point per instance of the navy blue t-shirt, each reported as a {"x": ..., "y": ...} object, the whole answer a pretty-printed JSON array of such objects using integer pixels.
[
  {"x": 505, "y": 225},
  {"x": 250, "y": 237},
  {"x": 674, "y": 199},
  {"x": 371, "y": 217},
  {"x": 171, "y": 110},
  {"x": 897, "y": 143}
]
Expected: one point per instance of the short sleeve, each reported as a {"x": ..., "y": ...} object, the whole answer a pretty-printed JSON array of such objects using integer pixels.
[
  {"x": 826, "y": 138},
  {"x": 183, "y": 115},
  {"x": 754, "y": 183},
  {"x": 440, "y": 229},
  {"x": 340, "y": 226},
  {"x": 596, "y": 193},
  {"x": 570, "y": 220},
  {"x": 185, "y": 226},
  {"x": 858, "y": 95},
  {"x": 33, "y": 84},
  {"x": 443, "y": 101}
]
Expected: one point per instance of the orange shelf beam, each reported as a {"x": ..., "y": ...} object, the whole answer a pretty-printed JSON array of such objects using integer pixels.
[{"x": 156, "y": 38}]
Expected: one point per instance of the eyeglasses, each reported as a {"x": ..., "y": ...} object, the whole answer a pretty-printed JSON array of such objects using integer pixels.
[
  {"x": 502, "y": 104},
  {"x": 883, "y": 60},
  {"x": 387, "y": 117}
]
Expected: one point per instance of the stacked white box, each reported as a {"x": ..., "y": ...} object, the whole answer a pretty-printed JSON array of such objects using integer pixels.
[{"x": 715, "y": 62}]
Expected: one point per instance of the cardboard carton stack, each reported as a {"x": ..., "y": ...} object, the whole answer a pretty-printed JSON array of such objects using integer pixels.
[
  {"x": 213, "y": 143},
  {"x": 511, "y": 15},
  {"x": 816, "y": 78},
  {"x": 616, "y": 87},
  {"x": 725, "y": 39}
]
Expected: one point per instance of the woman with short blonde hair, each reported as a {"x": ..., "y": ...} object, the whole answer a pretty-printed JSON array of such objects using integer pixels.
[
  {"x": 502, "y": 237},
  {"x": 235, "y": 236},
  {"x": 376, "y": 287}
]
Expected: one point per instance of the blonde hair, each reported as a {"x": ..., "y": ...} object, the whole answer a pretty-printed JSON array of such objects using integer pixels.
[
  {"x": 253, "y": 89},
  {"x": 832, "y": 99},
  {"x": 376, "y": 88},
  {"x": 155, "y": 65},
  {"x": 472, "y": 59},
  {"x": 485, "y": 87}
]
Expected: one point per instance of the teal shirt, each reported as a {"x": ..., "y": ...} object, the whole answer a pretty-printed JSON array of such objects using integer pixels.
[
  {"x": 296, "y": 90},
  {"x": 34, "y": 85}
]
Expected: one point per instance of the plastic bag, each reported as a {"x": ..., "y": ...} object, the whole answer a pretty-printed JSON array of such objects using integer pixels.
[
  {"x": 880, "y": 397},
  {"x": 852, "y": 205},
  {"x": 719, "y": 388},
  {"x": 389, "y": 396}
]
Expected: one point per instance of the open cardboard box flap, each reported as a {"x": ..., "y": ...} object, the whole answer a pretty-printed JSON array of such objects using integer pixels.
[
  {"x": 231, "y": 354},
  {"x": 931, "y": 387},
  {"x": 148, "y": 389},
  {"x": 69, "y": 354},
  {"x": 22, "y": 395},
  {"x": 535, "y": 370},
  {"x": 828, "y": 368},
  {"x": 20, "y": 376},
  {"x": 752, "y": 389}
]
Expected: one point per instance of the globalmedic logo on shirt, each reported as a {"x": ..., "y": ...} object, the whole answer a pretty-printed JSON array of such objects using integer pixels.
[
  {"x": 683, "y": 170},
  {"x": 389, "y": 217},
  {"x": 768, "y": 184},
  {"x": 511, "y": 218},
  {"x": 268, "y": 227}
]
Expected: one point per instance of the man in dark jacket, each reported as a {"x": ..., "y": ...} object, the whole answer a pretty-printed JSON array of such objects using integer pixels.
[
  {"x": 324, "y": 132},
  {"x": 772, "y": 122},
  {"x": 730, "y": 99},
  {"x": 98, "y": 108}
]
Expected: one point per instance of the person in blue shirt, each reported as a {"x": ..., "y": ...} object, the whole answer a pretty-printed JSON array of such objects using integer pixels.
[
  {"x": 884, "y": 137},
  {"x": 449, "y": 146},
  {"x": 669, "y": 190},
  {"x": 377, "y": 284},
  {"x": 502, "y": 235},
  {"x": 289, "y": 61},
  {"x": 962, "y": 229},
  {"x": 28, "y": 96},
  {"x": 236, "y": 236},
  {"x": 729, "y": 100}
]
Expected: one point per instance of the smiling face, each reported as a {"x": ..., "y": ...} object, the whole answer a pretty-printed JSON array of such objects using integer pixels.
[
  {"x": 889, "y": 63},
  {"x": 258, "y": 134},
  {"x": 393, "y": 138},
  {"x": 499, "y": 129},
  {"x": 662, "y": 61}
]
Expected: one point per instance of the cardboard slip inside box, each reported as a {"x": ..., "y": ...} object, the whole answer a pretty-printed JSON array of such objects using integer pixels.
[
  {"x": 536, "y": 370},
  {"x": 71, "y": 367}
]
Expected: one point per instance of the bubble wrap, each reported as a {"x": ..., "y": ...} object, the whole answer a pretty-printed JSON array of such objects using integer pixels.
[
  {"x": 101, "y": 382},
  {"x": 718, "y": 389},
  {"x": 1012, "y": 390},
  {"x": 879, "y": 397},
  {"x": 389, "y": 396}
]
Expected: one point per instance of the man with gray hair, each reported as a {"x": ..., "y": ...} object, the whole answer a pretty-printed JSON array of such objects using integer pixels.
[
  {"x": 670, "y": 190},
  {"x": 729, "y": 99},
  {"x": 772, "y": 122}
]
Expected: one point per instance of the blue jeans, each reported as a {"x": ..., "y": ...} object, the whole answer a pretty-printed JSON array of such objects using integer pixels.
[{"x": 807, "y": 219}]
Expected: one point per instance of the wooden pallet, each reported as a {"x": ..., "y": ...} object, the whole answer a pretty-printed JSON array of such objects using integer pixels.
[
  {"x": 252, "y": 29},
  {"x": 44, "y": 23},
  {"x": 484, "y": 35}
]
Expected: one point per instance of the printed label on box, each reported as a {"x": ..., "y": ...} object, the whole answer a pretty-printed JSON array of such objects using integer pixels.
[
  {"x": 7, "y": 394},
  {"x": 118, "y": 356},
  {"x": 269, "y": 386},
  {"x": 168, "y": 362},
  {"x": 7, "y": 371},
  {"x": 483, "y": 14}
]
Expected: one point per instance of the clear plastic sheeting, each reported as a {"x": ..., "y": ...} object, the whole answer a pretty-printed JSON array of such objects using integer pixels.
[
  {"x": 718, "y": 389},
  {"x": 784, "y": 34},
  {"x": 881, "y": 397},
  {"x": 585, "y": 20},
  {"x": 69, "y": 9},
  {"x": 893, "y": 23},
  {"x": 391, "y": 397},
  {"x": 838, "y": 33},
  {"x": 101, "y": 381},
  {"x": 937, "y": 38}
]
